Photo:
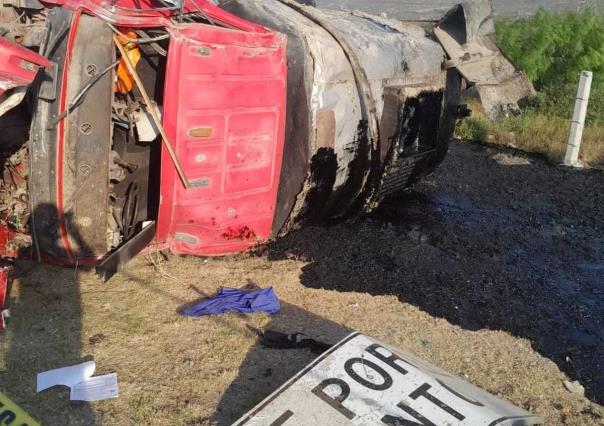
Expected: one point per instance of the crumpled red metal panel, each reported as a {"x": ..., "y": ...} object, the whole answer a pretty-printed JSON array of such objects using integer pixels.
[
  {"x": 18, "y": 65},
  {"x": 224, "y": 112},
  {"x": 145, "y": 13},
  {"x": 7, "y": 247},
  {"x": 4, "y": 275}
]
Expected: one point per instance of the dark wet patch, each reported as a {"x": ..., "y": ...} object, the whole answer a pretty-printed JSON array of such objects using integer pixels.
[
  {"x": 323, "y": 170},
  {"x": 482, "y": 245}
]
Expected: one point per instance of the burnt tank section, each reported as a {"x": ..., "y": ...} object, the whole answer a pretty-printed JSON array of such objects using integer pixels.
[{"x": 371, "y": 108}]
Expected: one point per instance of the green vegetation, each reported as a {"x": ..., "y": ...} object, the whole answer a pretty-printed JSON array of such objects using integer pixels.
[
  {"x": 533, "y": 131},
  {"x": 552, "y": 49}
]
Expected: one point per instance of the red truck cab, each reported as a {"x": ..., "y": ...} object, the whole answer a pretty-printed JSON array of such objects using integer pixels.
[{"x": 274, "y": 114}]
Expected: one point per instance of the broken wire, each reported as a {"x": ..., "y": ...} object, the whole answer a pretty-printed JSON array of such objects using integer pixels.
[
  {"x": 138, "y": 40},
  {"x": 80, "y": 96},
  {"x": 154, "y": 45}
]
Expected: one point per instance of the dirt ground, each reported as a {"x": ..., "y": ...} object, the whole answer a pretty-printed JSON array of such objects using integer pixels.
[{"x": 492, "y": 269}]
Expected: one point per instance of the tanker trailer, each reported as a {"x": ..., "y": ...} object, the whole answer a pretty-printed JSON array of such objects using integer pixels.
[
  {"x": 371, "y": 108},
  {"x": 208, "y": 130}
]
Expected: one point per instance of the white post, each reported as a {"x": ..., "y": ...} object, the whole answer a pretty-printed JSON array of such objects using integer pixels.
[{"x": 578, "y": 120}]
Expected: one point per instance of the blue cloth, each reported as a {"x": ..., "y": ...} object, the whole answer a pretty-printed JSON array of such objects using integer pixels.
[{"x": 235, "y": 300}]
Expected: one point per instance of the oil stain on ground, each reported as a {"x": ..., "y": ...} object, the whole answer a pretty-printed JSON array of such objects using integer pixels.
[{"x": 485, "y": 246}]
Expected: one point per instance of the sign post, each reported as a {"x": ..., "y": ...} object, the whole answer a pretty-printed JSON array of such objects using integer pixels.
[{"x": 578, "y": 121}]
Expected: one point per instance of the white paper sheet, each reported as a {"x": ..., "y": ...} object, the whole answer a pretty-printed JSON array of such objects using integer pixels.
[
  {"x": 95, "y": 388},
  {"x": 67, "y": 376}
]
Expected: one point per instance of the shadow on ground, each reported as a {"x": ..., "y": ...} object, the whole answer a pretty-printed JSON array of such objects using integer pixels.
[
  {"x": 45, "y": 332},
  {"x": 265, "y": 370},
  {"x": 486, "y": 244}
]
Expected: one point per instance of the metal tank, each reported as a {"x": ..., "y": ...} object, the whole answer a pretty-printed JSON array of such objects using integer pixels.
[{"x": 371, "y": 107}]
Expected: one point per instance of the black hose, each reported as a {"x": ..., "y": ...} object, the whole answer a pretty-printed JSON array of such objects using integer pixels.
[{"x": 81, "y": 95}]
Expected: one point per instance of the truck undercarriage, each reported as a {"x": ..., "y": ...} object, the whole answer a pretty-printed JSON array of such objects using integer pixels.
[{"x": 273, "y": 115}]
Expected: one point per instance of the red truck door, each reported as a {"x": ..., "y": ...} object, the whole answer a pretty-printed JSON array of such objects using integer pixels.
[{"x": 224, "y": 112}]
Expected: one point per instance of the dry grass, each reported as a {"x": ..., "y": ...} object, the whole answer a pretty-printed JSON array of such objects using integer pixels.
[
  {"x": 180, "y": 371},
  {"x": 534, "y": 133}
]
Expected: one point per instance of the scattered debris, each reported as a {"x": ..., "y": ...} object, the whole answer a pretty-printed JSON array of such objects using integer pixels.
[
  {"x": 11, "y": 99},
  {"x": 14, "y": 203},
  {"x": 418, "y": 235},
  {"x": 97, "y": 338},
  {"x": 4, "y": 316},
  {"x": 511, "y": 160},
  {"x": 95, "y": 388},
  {"x": 472, "y": 51},
  {"x": 236, "y": 300},
  {"x": 66, "y": 376},
  {"x": 277, "y": 340},
  {"x": 574, "y": 387},
  {"x": 79, "y": 379}
]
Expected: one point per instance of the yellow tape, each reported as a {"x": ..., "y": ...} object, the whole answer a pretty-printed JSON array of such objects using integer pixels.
[{"x": 11, "y": 414}]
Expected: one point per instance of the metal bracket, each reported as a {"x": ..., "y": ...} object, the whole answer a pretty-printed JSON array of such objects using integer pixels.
[{"x": 116, "y": 260}]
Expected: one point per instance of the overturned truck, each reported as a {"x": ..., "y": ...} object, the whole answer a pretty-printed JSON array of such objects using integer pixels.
[{"x": 208, "y": 129}]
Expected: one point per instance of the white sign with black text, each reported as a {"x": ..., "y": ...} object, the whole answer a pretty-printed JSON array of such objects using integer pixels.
[{"x": 363, "y": 382}]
